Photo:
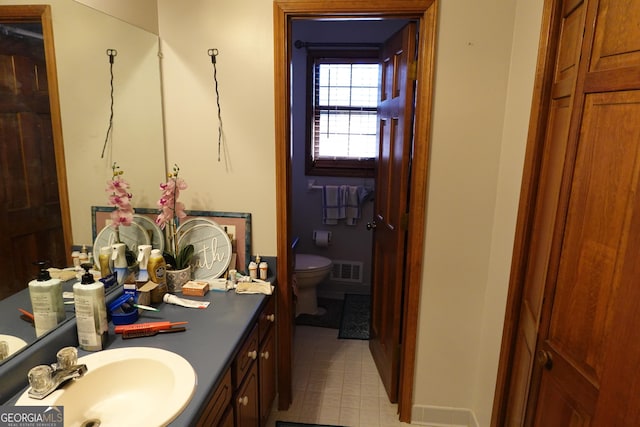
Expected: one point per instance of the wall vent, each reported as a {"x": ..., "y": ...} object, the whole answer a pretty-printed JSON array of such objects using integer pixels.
[{"x": 346, "y": 271}]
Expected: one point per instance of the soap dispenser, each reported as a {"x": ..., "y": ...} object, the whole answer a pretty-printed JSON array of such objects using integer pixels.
[
  {"x": 104, "y": 260},
  {"x": 46, "y": 301},
  {"x": 91, "y": 312},
  {"x": 119, "y": 258},
  {"x": 144, "y": 252}
]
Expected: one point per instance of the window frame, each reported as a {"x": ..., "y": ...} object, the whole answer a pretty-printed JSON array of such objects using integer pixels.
[{"x": 334, "y": 166}]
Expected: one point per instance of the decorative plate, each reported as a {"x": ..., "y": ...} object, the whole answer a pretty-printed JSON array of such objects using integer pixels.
[
  {"x": 191, "y": 222},
  {"x": 212, "y": 253},
  {"x": 131, "y": 235},
  {"x": 155, "y": 233}
]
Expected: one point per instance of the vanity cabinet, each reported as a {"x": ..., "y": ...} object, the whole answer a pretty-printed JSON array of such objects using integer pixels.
[{"x": 247, "y": 390}]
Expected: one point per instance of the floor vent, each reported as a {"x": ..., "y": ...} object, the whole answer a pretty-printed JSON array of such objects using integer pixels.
[{"x": 346, "y": 271}]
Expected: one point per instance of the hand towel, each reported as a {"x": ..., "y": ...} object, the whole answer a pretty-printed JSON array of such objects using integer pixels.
[
  {"x": 254, "y": 288},
  {"x": 352, "y": 204},
  {"x": 332, "y": 210}
]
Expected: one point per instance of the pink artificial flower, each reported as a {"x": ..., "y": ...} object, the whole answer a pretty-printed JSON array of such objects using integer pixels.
[
  {"x": 171, "y": 210},
  {"x": 120, "y": 198}
]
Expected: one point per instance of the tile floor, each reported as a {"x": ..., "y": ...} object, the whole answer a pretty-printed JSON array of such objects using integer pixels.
[{"x": 335, "y": 382}]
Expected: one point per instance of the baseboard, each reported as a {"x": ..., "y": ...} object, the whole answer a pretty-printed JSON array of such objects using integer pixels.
[{"x": 438, "y": 416}]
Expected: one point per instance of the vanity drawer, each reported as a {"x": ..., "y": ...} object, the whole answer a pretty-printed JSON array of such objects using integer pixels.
[
  {"x": 245, "y": 357},
  {"x": 267, "y": 317},
  {"x": 218, "y": 403}
]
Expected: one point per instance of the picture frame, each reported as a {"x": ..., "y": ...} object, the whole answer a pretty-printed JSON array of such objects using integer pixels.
[{"x": 238, "y": 224}]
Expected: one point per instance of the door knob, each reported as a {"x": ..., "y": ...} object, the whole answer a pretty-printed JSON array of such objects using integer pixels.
[
  {"x": 545, "y": 359},
  {"x": 371, "y": 225}
]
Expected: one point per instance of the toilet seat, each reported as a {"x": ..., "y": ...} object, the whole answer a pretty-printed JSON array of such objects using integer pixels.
[{"x": 311, "y": 262}]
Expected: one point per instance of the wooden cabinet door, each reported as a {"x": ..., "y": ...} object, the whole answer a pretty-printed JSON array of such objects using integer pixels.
[
  {"x": 267, "y": 372},
  {"x": 246, "y": 403},
  {"x": 580, "y": 293}
]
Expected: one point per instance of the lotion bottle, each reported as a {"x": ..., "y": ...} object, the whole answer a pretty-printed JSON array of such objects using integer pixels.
[
  {"x": 91, "y": 312},
  {"x": 46, "y": 301},
  {"x": 157, "y": 269}
]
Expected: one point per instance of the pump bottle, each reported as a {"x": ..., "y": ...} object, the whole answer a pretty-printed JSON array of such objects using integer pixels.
[
  {"x": 104, "y": 260},
  {"x": 46, "y": 301},
  {"x": 144, "y": 252},
  {"x": 119, "y": 258},
  {"x": 91, "y": 312}
]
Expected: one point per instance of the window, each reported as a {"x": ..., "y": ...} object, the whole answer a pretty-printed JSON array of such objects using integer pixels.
[{"x": 343, "y": 114}]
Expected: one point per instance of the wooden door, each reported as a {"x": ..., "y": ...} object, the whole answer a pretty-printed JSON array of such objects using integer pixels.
[
  {"x": 30, "y": 213},
  {"x": 391, "y": 204},
  {"x": 581, "y": 279}
]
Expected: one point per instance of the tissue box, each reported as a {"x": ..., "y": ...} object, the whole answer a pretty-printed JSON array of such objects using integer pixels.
[
  {"x": 150, "y": 292},
  {"x": 195, "y": 288}
]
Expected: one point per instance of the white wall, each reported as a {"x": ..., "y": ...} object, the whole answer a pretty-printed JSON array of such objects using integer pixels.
[
  {"x": 142, "y": 13},
  {"x": 518, "y": 105},
  {"x": 244, "y": 180},
  {"x": 484, "y": 66},
  {"x": 484, "y": 84},
  {"x": 472, "y": 68},
  {"x": 82, "y": 35}
]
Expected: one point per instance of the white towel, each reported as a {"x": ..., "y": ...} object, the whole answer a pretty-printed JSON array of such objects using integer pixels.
[
  {"x": 332, "y": 209},
  {"x": 352, "y": 204}
]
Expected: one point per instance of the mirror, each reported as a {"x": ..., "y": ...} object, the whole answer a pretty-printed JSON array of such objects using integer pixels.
[{"x": 136, "y": 140}]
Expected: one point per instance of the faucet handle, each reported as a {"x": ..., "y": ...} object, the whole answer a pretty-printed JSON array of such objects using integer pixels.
[
  {"x": 40, "y": 378},
  {"x": 67, "y": 357}
]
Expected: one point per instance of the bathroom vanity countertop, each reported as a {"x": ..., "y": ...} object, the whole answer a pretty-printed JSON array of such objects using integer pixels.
[{"x": 209, "y": 342}]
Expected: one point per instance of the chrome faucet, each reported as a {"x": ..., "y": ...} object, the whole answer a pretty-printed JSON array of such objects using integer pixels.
[{"x": 45, "y": 379}]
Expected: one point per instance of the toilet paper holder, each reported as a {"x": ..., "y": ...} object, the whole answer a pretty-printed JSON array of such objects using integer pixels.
[{"x": 321, "y": 237}]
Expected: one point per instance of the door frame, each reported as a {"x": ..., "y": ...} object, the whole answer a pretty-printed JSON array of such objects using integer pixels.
[{"x": 425, "y": 12}]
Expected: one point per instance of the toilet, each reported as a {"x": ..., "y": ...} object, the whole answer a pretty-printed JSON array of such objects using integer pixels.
[{"x": 310, "y": 270}]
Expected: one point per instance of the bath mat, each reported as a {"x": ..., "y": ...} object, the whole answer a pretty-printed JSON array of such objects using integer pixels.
[
  {"x": 331, "y": 319},
  {"x": 292, "y": 424},
  {"x": 356, "y": 317}
]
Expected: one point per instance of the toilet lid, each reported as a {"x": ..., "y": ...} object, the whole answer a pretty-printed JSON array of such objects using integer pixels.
[{"x": 308, "y": 262}]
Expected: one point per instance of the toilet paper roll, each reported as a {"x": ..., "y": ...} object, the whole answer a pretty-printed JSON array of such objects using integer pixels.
[{"x": 322, "y": 238}]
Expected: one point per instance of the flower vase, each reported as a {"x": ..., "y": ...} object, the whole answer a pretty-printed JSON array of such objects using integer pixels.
[{"x": 177, "y": 278}]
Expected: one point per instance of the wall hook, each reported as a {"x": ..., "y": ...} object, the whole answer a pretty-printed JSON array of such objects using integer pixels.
[
  {"x": 112, "y": 54},
  {"x": 213, "y": 53}
]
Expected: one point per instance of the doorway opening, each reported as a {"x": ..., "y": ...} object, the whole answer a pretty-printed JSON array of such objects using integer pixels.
[{"x": 424, "y": 12}]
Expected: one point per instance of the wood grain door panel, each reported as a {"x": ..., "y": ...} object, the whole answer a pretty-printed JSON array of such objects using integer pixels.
[
  {"x": 580, "y": 269},
  {"x": 30, "y": 208},
  {"x": 602, "y": 202},
  {"x": 391, "y": 204}
]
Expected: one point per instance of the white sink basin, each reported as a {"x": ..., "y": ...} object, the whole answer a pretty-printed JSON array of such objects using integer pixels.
[
  {"x": 136, "y": 386},
  {"x": 14, "y": 343}
]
